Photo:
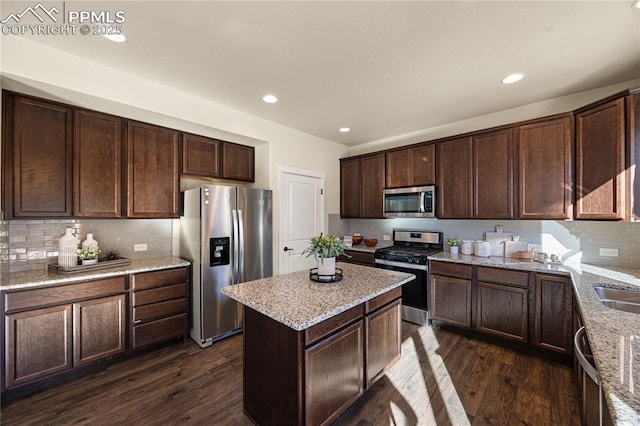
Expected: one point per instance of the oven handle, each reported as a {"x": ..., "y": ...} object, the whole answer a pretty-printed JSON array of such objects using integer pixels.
[{"x": 402, "y": 264}]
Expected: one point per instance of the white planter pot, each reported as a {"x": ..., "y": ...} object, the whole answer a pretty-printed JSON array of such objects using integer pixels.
[
  {"x": 326, "y": 266},
  {"x": 89, "y": 261},
  {"x": 453, "y": 249}
]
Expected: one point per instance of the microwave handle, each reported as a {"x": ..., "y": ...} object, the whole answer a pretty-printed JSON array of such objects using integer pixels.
[{"x": 423, "y": 200}]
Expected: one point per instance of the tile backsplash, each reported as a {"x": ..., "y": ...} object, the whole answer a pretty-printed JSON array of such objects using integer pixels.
[
  {"x": 574, "y": 240},
  {"x": 32, "y": 244}
]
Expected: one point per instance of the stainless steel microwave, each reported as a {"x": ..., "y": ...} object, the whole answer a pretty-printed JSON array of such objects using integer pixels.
[{"x": 418, "y": 201}]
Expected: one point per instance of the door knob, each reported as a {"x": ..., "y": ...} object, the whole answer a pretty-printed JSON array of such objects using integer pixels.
[{"x": 288, "y": 249}]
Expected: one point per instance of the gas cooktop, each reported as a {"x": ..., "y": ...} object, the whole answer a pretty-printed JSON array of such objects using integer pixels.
[{"x": 411, "y": 246}]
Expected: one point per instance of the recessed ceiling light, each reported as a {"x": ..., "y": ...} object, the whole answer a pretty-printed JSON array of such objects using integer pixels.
[
  {"x": 512, "y": 78},
  {"x": 270, "y": 99},
  {"x": 344, "y": 129},
  {"x": 118, "y": 38}
]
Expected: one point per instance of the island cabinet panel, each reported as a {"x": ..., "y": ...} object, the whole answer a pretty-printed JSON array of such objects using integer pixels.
[
  {"x": 152, "y": 171},
  {"x": 97, "y": 165},
  {"x": 545, "y": 172},
  {"x": 553, "y": 313},
  {"x": 37, "y": 151},
  {"x": 201, "y": 156},
  {"x": 455, "y": 179},
  {"x": 493, "y": 175},
  {"x": 413, "y": 166},
  {"x": 238, "y": 162},
  {"x": 383, "y": 338},
  {"x": 451, "y": 300},
  {"x": 600, "y": 161},
  {"x": 502, "y": 310},
  {"x": 334, "y": 375}
]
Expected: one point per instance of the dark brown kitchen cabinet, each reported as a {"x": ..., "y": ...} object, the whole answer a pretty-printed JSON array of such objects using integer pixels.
[
  {"x": 99, "y": 328},
  {"x": 361, "y": 186},
  {"x": 553, "y": 327},
  {"x": 600, "y": 161},
  {"x": 153, "y": 184},
  {"x": 382, "y": 340},
  {"x": 38, "y": 145},
  {"x": 97, "y": 165},
  {"x": 238, "y": 162},
  {"x": 159, "y": 306},
  {"x": 413, "y": 166},
  {"x": 455, "y": 179},
  {"x": 201, "y": 156},
  {"x": 450, "y": 290},
  {"x": 358, "y": 257},
  {"x": 545, "y": 172}
]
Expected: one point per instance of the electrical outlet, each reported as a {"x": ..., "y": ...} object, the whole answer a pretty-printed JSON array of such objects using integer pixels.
[
  {"x": 608, "y": 252},
  {"x": 386, "y": 237},
  {"x": 140, "y": 247}
]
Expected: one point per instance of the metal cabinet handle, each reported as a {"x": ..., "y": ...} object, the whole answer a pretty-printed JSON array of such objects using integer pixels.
[
  {"x": 588, "y": 368},
  {"x": 137, "y": 321}
]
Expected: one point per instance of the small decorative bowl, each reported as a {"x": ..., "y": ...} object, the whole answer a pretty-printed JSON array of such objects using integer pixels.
[
  {"x": 370, "y": 242},
  {"x": 357, "y": 239}
]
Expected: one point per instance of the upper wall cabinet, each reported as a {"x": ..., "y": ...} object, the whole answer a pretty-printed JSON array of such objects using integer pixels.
[
  {"x": 361, "y": 186},
  {"x": 455, "y": 179},
  {"x": 200, "y": 156},
  {"x": 153, "y": 185},
  {"x": 38, "y": 154},
  {"x": 97, "y": 165},
  {"x": 238, "y": 162},
  {"x": 545, "y": 159},
  {"x": 600, "y": 161},
  {"x": 413, "y": 166}
]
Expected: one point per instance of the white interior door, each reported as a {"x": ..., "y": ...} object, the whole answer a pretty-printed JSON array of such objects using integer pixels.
[{"x": 301, "y": 215}]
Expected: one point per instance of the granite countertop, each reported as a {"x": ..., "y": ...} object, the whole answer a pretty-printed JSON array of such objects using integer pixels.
[
  {"x": 614, "y": 336},
  {"x": 298, "y": 302},
  {"x": 23, "y": 280}
]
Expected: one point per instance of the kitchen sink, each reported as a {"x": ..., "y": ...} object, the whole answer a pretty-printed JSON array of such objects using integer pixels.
[{"x": 621, "y": 300}]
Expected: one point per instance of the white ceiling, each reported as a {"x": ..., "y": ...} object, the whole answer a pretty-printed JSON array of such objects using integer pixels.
[{"x": 381, "y": 68}]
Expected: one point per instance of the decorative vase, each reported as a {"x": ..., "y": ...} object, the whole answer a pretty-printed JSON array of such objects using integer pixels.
[
  {"x": 89, "y": 242},
  {"x": 453, "y": 249},
  {"x": 326, "y": 265},
  {"x": 67, "y": 250},
  {"x": 89, "y": 261}
]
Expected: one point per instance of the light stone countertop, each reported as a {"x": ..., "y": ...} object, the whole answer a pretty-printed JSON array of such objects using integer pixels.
[
  {"x": 614, "y": 336},
  {"x": 298, "y": 302},
  {"x": 32, "y": 279}
]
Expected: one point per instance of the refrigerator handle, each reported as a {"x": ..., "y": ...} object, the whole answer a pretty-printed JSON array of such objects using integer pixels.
[
  {"x": 240, "y": 262},
  {"x": 236, "y": 248}
]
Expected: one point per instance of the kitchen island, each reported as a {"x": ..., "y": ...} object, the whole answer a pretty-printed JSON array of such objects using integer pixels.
[{"x": 312, "y": 349}]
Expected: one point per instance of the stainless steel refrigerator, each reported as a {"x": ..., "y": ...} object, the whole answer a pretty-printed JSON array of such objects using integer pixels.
[{"x": 226, "y": 232}]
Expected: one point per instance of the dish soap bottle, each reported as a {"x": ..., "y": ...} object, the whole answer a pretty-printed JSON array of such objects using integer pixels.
[
  {"x": 67, "y": 250},
  {"x": 89, "y": 242}
]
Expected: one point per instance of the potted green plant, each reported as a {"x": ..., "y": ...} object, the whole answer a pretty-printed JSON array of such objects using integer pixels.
[
  {"x": 326, "y": 248},
  {"x": 453, "y": 243},
  {"x": 88, "y": 255}
]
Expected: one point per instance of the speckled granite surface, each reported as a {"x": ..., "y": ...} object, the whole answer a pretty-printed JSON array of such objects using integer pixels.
[
  {"x": 614, "y": 335},
  {"x": 298, "y": 302},
  {"x": 20, "y": 280}
]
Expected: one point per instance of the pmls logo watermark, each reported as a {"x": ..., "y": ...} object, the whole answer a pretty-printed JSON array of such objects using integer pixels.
[{"x": 55, "y": 19}]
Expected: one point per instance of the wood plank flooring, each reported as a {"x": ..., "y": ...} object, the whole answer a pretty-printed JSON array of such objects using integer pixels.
[{"x": 442, "y": 378}]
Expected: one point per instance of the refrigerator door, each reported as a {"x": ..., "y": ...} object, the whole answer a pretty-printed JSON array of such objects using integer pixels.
[
  {"x": 255, "y": 211},
  {"x": 218, "y": 313}
]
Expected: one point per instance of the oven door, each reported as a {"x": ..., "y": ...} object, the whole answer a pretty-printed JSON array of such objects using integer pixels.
[{"x": 415, "y": 293}]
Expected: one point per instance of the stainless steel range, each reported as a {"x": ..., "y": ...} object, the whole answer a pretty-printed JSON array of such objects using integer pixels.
[{"x": 409, "y": 253}]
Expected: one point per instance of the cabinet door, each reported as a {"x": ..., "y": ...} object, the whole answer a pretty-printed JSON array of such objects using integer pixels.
[
  {"x": 37, "y": 343},
  {"x": 38, "y": 140},
  {"x": 493, "y": 175},
  {"x": 99, "y": 328},
  {"x": 238, "y": 162},
  {"x": 382, "y": 341},
  {"x": 413, "y": 166},
  {"x": 350, "y": 188},
  {"x": 372, "y": 186},
  {"x": 397, "y": 168},
  {"x": 152, "y": 171},
  {"x": 200, "y": 156},
  {"x": 553, "y": 313},
  {"x": 97, "y": 165},
  {"x": 455, "y": 179},
  {"x": 545, "y": 159},
  {"x": 334, "y": 374},
  {"x": 451, "y": 300},
  {"x": 600, "y": 162},
  {"x": 502, "y": 310}
]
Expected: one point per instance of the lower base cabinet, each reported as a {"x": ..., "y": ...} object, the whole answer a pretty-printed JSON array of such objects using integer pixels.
[
  {"x": 99, "y": 328},
  {"x": 503, "y": 311},
  {"x": 554, "y": 313},
  {"x": 451, "y": 300},
  {"x": 383, "y": 337}
]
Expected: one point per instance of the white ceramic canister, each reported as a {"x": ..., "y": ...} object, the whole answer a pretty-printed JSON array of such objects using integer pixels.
[
  {"x": 466, "y": 247},
  {"x": 482, "y": 248},
  {"x": 89, "y": 242},
  {"x": 68, "y": 250}
]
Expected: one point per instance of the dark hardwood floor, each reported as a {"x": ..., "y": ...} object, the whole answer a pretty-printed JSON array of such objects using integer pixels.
[{"x": 442, "y": 378}]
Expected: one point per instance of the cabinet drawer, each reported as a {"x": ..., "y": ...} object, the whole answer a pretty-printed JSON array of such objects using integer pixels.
[
  {"x": 161, "y": 294},
  {"x": 34, "y": 298},
  {"x": 318, "y": 331},
  {"x": 157, "y": 331},
  {"x": 159, "y": 278},
  {"x": 503, "y": 276},
  {"x": 383, "y": 299},
  {"x": 451, "y": 269},
  {"x": 359, "y": 257},
  {"x": 159, "y": 310}
]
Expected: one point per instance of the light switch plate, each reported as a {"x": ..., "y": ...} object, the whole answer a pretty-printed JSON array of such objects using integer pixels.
[
  {"x": 609, "y": 252},
  {"x": 386, "y": 237}
]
